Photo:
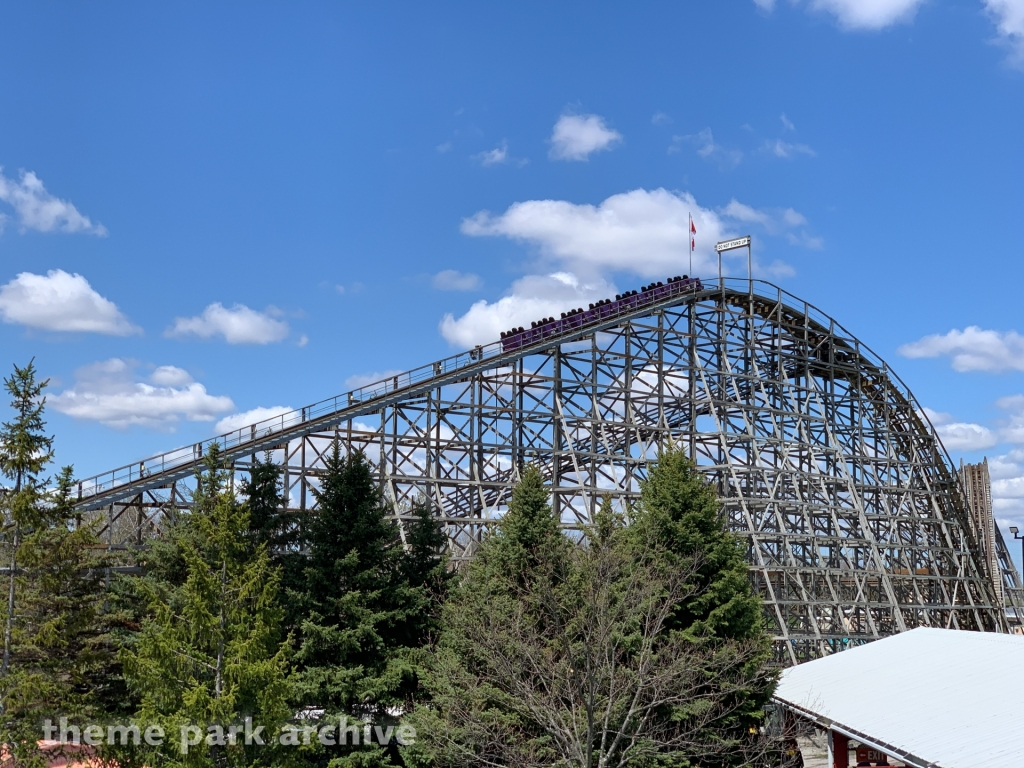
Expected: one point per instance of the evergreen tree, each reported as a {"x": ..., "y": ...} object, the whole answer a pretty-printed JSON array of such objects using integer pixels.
[
  {"x": 680, "y": 511},
  {"x": 209, "y": 653},
  {"x": 518, "y": 568},
  {"x": 25, "y": 452},
  {"x": 63, "y": 631},
  {"x": 528, "y": 541},
  {"x": 559, "y": 654},
  {"x": 425, "y": 570},
  {"x": 680, "y": 524},
  {"x": 367, "y": 608},
  {"x": 277, "y": 529},
  {"x": 58, "y": 658}
]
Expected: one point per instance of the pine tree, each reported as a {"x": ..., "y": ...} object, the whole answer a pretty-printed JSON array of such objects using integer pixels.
[
  {"x": 680, "y": 511},
  {"x": 517, "y": 569},
  {"x": 679, "y": 524},
  {"x": 559, "y": 654},
  {"x": 529, "y": 535},
  {"x": 425, "y": 570},
  {"x": 209, "y": 653},
  {"x": 58, "y": 655},
  {"x": 25, "y": 452},
  {"x": 368, "y": 607},
  {"x": 281, "y": 531},
  {"x": 65, "y": 629}
]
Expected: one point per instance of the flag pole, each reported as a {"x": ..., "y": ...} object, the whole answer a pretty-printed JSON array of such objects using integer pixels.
[{"x": 689, "y": 238}]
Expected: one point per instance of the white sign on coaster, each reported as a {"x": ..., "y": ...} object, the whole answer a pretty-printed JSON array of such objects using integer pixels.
[{"x": 728, "y": 245}]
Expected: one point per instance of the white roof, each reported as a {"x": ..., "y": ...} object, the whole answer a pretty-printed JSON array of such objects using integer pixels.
[{"x": 932, "y": 697}]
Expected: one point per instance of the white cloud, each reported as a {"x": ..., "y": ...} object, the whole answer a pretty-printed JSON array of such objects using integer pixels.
[
  {"x": 581, "y": 244},
  {"x": 786, "y": 122},
  {"x": 961, "y": 436},
  {"x": 776, "y": 268},
  {"x": 453, "y": 280},
  {"x": 1008, "y": 16},
  {"x": 170, "y": 376},
  {"x": 590, "y": 240},
  {"x": 58, "y": 301},
  {"x": 740, "y": 212},
  {"x": 869, "y": 14},
  {"x": 708, "y": 149},
  {"x": 805, "y": 240},
  {"x": 495, "y": 156},
  {"x": 445, "y": 147},
  {"x": 1010, "y": 488},
  {"x": 39, "y": 210},
  {"x": 530, "y": 298},
  {"x": 972, "y": 349},
  {"x": 238, "y": 325},
  {"x": 660, "y": 118},
  {"x": 1012, "y": 428},
  {"x": 862, "y": 14},
  {"x": 774, "y": 221},
  {"x": 359, "y": 380},
  {"x": 1006, "y": 470},
  {"x": 785, "y": 149},
  {"x": 1000, "y": 467},
  {"x": 247, "y": 418},
  {"x": 1007, "y": 473},
  {"x": 110, "y": 392},
  {"x": 793, "y": 218},
  {"x": 576, "y": 137}
]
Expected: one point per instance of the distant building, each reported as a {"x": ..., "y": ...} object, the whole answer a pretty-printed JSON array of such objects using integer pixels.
[{"x": 978, "y": 487}]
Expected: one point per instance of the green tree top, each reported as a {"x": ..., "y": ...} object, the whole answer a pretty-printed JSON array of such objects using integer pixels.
[
  {"x": 528, "y": 542},
  {"x": 425, "y": 572},
  {"x": 25, "y": 450},
  {"x": 555, "y": 654},
  {"x": 280, "y": 530},
  {"x": 57, "y": 655},
  {"x": 680, "y": 511},
  {"x": 369, "y": 605},
  {"x": 210, "y": 652}
]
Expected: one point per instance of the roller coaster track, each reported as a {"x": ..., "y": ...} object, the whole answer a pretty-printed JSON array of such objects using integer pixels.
[
  {"x": 159, "y": 470},
  {"x": 855, "y": 520}
]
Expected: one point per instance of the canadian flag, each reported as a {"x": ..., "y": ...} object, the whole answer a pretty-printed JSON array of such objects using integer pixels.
[
  {"x": 693, "y": 228},
  {"x": 693, "y": 231}
]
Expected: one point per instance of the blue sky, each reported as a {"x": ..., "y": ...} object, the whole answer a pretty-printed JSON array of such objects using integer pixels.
[{"x": 214, "y": 208}]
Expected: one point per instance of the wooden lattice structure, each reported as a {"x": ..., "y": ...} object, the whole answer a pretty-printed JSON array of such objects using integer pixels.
[{"x": 854, "y": 520}]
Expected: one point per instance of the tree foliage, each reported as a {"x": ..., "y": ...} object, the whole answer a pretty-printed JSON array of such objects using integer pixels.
[
  {"x": 368, "y": 605},
  {"x": 25, "y": 452},
  {"x": 280, "y": 531},
  {"x": 209, "y": 653},
  {"x": 58, "y": 656},
  {"x": 636, "y": 642},
  {"x": 626, "y": 650},
  {"x": 681, "y": 513}
]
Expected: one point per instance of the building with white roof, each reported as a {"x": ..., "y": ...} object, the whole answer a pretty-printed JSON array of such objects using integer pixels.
[{"x": 931, "y": 698}]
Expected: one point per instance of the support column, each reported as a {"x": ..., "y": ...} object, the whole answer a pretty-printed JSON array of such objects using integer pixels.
[{"x": 838, "y": 750}]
